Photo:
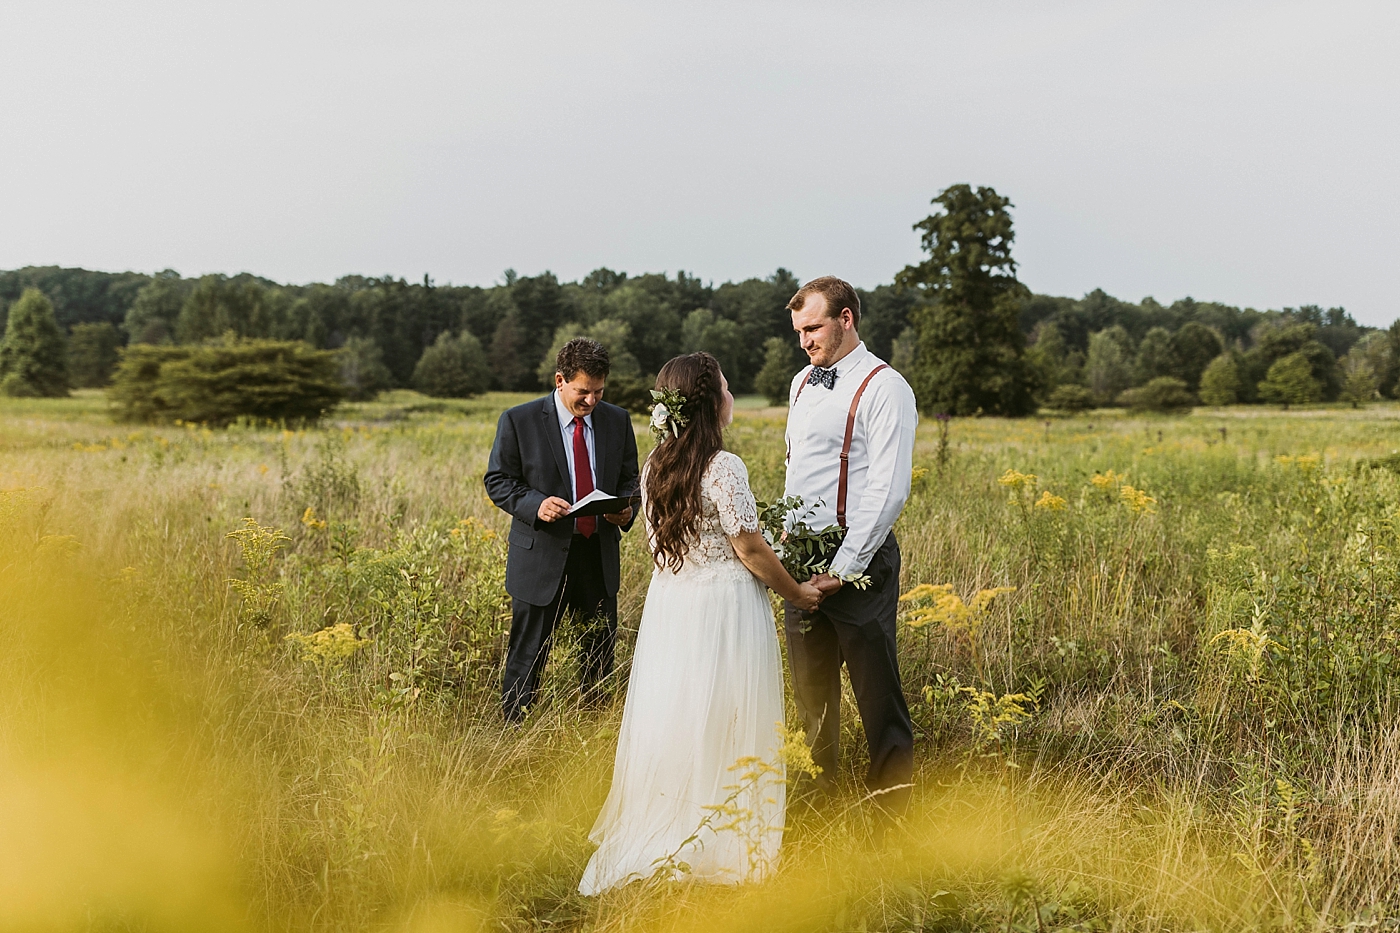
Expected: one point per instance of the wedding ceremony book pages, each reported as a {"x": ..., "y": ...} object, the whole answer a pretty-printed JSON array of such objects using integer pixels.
[{"x": 598, "y": 502}]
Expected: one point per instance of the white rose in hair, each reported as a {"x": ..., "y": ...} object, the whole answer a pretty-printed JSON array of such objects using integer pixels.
[{"x": 659, "y": 414}]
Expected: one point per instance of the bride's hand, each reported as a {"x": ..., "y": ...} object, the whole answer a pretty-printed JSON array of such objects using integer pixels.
[{"x": 810, "y": 597}]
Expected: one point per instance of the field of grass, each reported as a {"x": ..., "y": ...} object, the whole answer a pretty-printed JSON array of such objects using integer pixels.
[{"x": 1181, "y": 712}]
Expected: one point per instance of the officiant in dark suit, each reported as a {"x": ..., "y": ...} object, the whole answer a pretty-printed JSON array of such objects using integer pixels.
[{"x": 548, "y": 454}]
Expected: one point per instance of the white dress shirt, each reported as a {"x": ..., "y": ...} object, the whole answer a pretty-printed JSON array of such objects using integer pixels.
[
  {"x": 566, "y": 425},
  {"x": 881, "y": 459}
]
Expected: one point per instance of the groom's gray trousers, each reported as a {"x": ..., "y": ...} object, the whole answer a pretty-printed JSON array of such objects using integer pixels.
[{"x": 856, "y": 627}]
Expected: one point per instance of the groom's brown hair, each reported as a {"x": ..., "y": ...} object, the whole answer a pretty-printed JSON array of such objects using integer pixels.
[
  {"x": 838, "y": 293},
  {"x": 590, "y": 356}
]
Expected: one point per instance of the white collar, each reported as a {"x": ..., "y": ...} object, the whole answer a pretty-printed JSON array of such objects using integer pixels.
[{"x": 566, "y": 417}]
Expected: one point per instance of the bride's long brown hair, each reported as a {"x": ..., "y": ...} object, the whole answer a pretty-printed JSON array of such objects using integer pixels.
[{"x": 676, "y": 465}]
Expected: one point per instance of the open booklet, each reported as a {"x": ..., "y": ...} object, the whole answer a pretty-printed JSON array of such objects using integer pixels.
[{"x": 598, "y": 502}]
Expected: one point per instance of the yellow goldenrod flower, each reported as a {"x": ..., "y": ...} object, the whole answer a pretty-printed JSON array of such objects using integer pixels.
[
  {"x": 1138, "y": 500},
  {"x": 309, "y": 519},
  {"x": 330, "y": 647},
  {"x": 992, "y": 716},
  {"x": 1017, "y": 480},
  {"x": 1050, "y": 502},
  {"x": 948, "y": 608},
  {"x": 925, "y": 590},
  {"x": 1306, "y": 463},
  {"x": 1108, "y": 480},
  {"x": 984, "y": 598}
]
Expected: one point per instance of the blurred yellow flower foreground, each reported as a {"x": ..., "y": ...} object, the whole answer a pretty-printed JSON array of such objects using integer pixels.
[{"x": 248, "y": 682}]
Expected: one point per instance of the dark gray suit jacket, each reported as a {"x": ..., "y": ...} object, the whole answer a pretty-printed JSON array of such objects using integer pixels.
[{"x": 528, "y": 465}]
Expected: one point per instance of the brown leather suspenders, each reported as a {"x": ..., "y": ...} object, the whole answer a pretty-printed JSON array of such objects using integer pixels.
[
  {"x": 846, "y": 444},
  {"x": 802, "y": 385},
  {"x": 846, "y": 448}
]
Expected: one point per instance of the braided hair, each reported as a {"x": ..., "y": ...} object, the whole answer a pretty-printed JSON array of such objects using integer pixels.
[{"x": 676, "y": 466}]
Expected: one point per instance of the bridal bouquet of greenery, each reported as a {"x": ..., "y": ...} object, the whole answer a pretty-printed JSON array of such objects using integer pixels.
[{"x": 803, "y": 550}]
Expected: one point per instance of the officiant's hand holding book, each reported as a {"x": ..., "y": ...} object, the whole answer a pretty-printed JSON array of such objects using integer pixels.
[{"x": 616, "y": 509}]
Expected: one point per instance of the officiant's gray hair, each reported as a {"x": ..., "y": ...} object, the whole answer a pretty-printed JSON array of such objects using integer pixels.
[
  {"x": 582, "y": 354},
  {"x": 838, "y": 294}
]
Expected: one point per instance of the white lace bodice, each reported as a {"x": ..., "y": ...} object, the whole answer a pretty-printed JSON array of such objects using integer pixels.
[{"x": 727, "y": 507}]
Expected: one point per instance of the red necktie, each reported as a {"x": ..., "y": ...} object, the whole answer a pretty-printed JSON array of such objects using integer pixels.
[{"x": 583, "y": 478}]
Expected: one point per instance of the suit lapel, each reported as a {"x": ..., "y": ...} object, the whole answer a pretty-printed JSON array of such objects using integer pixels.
[
  {"x": 555, "y": 438},
  {"x": 600, "y": 450}
]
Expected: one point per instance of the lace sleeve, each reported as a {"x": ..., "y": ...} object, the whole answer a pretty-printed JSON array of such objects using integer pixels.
[{"x": 727, "y": 486}]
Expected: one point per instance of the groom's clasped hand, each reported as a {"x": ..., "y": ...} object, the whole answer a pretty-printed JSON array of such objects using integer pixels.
[{"x": 706, "y": 686}]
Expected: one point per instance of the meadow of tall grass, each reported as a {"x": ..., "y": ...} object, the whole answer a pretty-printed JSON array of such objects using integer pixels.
[{"x": 248, "y": 682}]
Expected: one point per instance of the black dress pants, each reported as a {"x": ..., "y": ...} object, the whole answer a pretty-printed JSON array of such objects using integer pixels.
[
  {"x": 532, "y": 630},
  {"x": 858, "y": 629}
]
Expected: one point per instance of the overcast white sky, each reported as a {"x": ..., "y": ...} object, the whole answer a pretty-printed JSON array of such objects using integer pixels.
[{"x": 1243, "y": 152}]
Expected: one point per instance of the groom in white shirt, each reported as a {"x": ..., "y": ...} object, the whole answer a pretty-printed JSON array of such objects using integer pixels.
[{"x": 850, "y": 443}]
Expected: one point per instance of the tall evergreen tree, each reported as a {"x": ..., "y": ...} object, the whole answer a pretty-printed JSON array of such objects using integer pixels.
[
  {"x": 33, "y": 358},
  {"x": 971, "y": 350}
]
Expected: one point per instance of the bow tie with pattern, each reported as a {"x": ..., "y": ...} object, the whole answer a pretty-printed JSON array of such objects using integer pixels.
[{"x": 822, "y": 377}]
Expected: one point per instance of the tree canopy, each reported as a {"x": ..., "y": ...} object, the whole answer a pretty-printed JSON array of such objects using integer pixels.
[
  {"x": 959, "y": 324},
  {"x": 971, "y": 350}
]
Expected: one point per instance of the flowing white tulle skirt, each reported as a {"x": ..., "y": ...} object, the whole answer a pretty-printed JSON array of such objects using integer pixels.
[{"x": 697, "y": 790}]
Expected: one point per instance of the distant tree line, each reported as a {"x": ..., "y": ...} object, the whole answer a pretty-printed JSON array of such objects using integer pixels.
[
  {"x": 968, "y": 334},
  {"x": 1099, "y": 350},
  {"x": 444, "y": 339}
]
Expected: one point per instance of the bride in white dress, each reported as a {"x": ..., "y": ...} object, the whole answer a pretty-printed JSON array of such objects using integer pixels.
[{"x": 698, "y": 788}]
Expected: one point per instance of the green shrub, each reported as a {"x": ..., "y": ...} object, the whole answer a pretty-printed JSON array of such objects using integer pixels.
[
  {"x": 453, "y": 367},
  {"x": 1290, "y": 381},
  {"x": 217, "y": 383},
  {"x": 1165, "y": 393},
  {"x": 33, "y": 358},
  {"x": 1071, "y": 398},
  {"x": 1220, "y": 383}
]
